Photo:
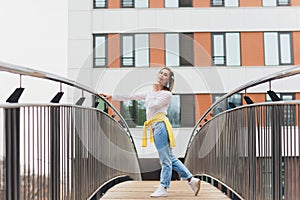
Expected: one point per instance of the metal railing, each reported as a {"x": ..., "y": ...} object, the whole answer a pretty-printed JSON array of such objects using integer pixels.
[
  {"x": 56, "y": 151},
  {"x": 250, "y": 150}
]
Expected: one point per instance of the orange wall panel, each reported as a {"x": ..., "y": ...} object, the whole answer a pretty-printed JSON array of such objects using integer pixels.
[
  {"x": 113, "y": 44},
  {"x": 296, "y": 47},
  {"x": 157, "y": 49},
  {"x": 295, "y": 3},
  {"x": 252, "y": 49},
  {"x": 297, "y": 96},
  {"x": 113, "y": 4},
  {"x": 202, "y": 49},
  {"x": 250, "y": 3},
  {"x": 156, "y": 4},
  {"x": 201, "y": 3},
  {"x": 256, "y": 97},
  {"x": 202, "y": 103}
]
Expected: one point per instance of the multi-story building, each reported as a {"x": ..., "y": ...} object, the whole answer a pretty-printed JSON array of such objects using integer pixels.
[{"x": 213, "y": 46}]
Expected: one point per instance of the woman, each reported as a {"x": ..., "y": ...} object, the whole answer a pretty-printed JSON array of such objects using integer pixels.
[{"x": 157, "y": 102}]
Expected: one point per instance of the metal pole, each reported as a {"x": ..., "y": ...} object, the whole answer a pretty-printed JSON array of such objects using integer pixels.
[
  {"x": 252, "y": 153},
  {"x": 12, "y": 147},
  {"x": 55, "y": 153},
  {"x": 277, "y": 122}
]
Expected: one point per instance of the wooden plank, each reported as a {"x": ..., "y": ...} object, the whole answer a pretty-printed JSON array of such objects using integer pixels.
[{"x": 177, "y": 190}]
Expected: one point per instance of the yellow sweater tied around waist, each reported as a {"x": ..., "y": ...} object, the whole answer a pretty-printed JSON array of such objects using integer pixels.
[{"x": 158, "y": 117}]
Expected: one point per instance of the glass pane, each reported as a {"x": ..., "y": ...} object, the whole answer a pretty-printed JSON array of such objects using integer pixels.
[
  {"x": 126, "y": 112},
  {"x": 171, "y": 3},
  {"x": 140, "y": 113},
  {"x": 271, "y": 49},
  {"x": 127, "y": 50},
  {"x": 100, "y": 51},
  {"x": 174, "y": 111},
  {"x": 141, "y": 3},
  {"x": 100, "y": 3},
  {"x": 231, "y": 3},
  {"x": 222, "y": 106},
  {"x": 185, "y": 3},
  {"x": 283, "y": 2},
  {"x": 233, "y": 49},
  {"x": 218, "y": 56},
  {"x": 269, "y": 2},
  {"x": 141, "y": 50},
  {"x": 236, "y": 99},
  {"x": 127, "y": 46},
  {"x": 172, "y": 49},
  {"x": 100, "y": 46},
  {"x": 127, "y": 3},
  {"x": 285, "y": 49},
  {"x": 217, "y": 2}
]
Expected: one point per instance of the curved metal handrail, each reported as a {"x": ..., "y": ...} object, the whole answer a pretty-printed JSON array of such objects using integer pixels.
[
  {"x": 278, "y": 75},
  {"x": 16, "y": 69}
]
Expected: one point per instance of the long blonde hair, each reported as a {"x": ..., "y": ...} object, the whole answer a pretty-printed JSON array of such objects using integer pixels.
[{"x": 170, "y": 84}]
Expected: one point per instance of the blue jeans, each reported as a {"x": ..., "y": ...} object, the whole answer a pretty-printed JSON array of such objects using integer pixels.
[{"x": 167, "y": 159}]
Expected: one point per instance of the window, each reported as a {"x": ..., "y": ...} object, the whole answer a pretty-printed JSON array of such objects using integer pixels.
[
  {"x": 278, "y": 48},
  {"x": 178, "y": 3},
  {"x": 135, "y": 50},
  {"x": 217, "y": 3},
  {"x": 231, "y": 3},
  {"x": 226, "y": 3},
  {"x": 179, "y": 49},
  {"x": 100, "y": 50},
  {"x": 141, "y": 3},
  {"x": 134, "y": 112},
  {"x": 276, "y": 2},
  {"x": 100, "y": 3},
  {"x": 180, "y": 111},
  {"x": 171, "y": 3},
  {"x": 127, "y": 4},
  {"x": 222, "y": 106},
  {"x": 235, "y": 99},
  {"x": 185, "y": 3},
  {"x": 269, "y": 2},
  {"x": 226, "y": 49},
  {"x": 283, "y": 2}
]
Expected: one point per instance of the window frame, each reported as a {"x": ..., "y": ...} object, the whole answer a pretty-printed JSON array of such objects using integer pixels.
[
  {"x": 221, "y": 5},
  {"x": 189, "y": 6},
  {"x": 122, "y": 5},
  {"x": 122, "y": 48},
  {"x": 182, "y": 62},
  {"x": 95, "y": 48},
  {"x": 213, "y": 49},
  {"x": 279, "y": 50},
  {"x": 291, "y": 48},
  {"x": 278, "y": 3},
  {"x": 95, "y": 1}
]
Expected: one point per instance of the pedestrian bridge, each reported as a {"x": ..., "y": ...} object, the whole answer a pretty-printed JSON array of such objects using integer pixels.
[
  {"x": 73, "y": 151},
  {"x": 178, "y": 190}
]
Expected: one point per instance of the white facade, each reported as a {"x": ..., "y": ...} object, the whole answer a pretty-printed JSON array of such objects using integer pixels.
[{"x": 84, "y": 21}]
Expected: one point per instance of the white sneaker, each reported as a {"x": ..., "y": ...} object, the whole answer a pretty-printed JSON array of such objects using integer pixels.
[
  {"x": 195, "y": 184},
  {"x": 160, "y": 192}
]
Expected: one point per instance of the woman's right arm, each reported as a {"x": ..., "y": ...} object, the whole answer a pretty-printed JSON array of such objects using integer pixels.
[{"x": 137, "y": 96}]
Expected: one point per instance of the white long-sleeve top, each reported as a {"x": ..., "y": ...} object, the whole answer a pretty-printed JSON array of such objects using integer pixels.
[{"x": 155, "y": 101}]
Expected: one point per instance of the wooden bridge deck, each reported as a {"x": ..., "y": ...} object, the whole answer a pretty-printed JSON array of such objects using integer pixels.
[{"x": 177, "y": 190}]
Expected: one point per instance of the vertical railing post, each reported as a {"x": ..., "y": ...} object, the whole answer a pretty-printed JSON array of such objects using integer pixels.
[
  {"x": 277, "y": 122},
  {"x": 54, "y": 153},
  {"x": 252, "y": 153},
  {"x": 12, "y": 148}
]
